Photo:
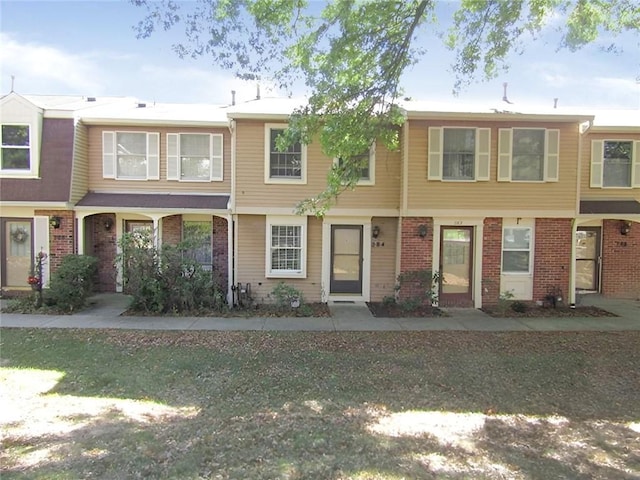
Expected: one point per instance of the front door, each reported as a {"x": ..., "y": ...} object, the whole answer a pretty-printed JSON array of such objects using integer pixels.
[
  {"x": 588, "y": 259},
  {"x": 346, "y": 259},
  {"x": 17, "y": 254},
  {"x": 456, "y": 265}
]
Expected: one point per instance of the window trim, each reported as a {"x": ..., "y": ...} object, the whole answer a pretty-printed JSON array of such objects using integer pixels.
[
  {"x": 551, "y": 161},
  {"x": 174, "y": 172},
  {"x": 596, "y": 174},
  {"x": 110, "y": 155},
  {"x": 15, "y": 172},
  {"x": 371, "y": 181},
  {"x": 530, "y": 250},
  {"x": 267, "y": 158},
  {"x": 286, "y": 221},
  {"x": 482, "y": 157}
]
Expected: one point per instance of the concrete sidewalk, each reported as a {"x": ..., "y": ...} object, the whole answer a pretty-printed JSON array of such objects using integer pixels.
[{"x": 106, "y": 309}]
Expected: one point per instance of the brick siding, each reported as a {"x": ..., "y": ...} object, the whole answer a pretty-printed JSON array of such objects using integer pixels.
[
  {"x": 104, "y": 249},
  {"x": 61, "y": 240},
  {"x": 552, "y": 261},
  {"x": 620, "y": 260},
  {"x": 416, "y": 254},
  {"x": 491, "y": 260}
]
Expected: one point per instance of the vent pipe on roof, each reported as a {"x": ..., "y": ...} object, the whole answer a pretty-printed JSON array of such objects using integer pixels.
[
  {"x": 142, "y": 105},
  {"x": 233, "y": 97},
  {"x": 555, "y": 103},
  {"x": 258, "y": 91},
  {"x": 91, "y": 99},
  {"x": 504, "y": 95},
  {"x": 13, "y": 80}
]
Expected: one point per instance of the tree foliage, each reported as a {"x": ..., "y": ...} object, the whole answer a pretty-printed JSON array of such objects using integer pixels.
[{"x": 351, "y": 55}]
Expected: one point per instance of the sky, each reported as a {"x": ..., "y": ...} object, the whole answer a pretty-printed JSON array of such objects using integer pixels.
[{"x": 90, "y": 48}]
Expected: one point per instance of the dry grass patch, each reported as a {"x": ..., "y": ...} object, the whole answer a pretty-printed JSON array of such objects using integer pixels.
[{"x": 253, "y": 405}]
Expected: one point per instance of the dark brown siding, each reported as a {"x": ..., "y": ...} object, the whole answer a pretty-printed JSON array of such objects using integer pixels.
[{"x": 55, "y": 168}]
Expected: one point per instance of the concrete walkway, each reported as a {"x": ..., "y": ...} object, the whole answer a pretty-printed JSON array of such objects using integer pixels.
[{"x": 106, "y": 310}]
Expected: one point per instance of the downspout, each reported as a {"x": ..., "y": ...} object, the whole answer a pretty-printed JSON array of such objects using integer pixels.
[
  {"x": 404, "y": 196},
  {"x": 232, "y": 240}
]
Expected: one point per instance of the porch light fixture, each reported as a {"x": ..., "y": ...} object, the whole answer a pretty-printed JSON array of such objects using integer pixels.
[
  {"x": 108, "y": 223},
  {"x": 375, "y": 231},
  {"x": 422, "y": 231},
  {"x": 625, "y": 227},
  {"x": 55, "y": 221}
]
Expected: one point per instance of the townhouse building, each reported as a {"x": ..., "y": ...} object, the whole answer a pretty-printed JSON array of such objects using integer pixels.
[{"x": 525, "y": 204}]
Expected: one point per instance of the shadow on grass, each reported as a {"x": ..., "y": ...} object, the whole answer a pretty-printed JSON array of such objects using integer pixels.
[{"x": 330, "y": 406}]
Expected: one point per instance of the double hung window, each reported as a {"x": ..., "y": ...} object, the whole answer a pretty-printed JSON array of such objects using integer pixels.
[
  {"x": 131, "y": 155},
  {"x": 366, "y": 165},
  {"x": 528, "y": 155},
  {"x": 16, "y": 151},
  {"x": 459, "y": 154},
  {"x": 194, "y": 157},
  {"x": 615, "y": 164},
  {"x": 516, "y": 250},
  {"x": 286, "y": 166},
  {"x": 286, "y": 247}
]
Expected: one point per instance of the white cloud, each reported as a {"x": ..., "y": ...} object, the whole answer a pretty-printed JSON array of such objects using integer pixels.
[{"x": 43, "y": 69}]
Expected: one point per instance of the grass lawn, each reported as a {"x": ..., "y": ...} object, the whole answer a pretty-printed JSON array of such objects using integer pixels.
[{"x": 385, "y": 405}]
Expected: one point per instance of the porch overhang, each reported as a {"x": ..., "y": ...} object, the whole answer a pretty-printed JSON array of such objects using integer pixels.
[
  {"x": 609, "y": 207},
  {"x": 154, "y": 202}
]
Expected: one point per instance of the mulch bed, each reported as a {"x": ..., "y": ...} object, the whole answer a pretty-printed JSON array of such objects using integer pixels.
[
  {"x": 386, "y": 310},
  {"x": 535, "y": 311},
  {"x": 270, "y": 311}
]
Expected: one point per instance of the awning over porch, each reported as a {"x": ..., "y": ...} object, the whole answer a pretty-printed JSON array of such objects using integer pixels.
[
  {"x": 154, "y": 201},
  {"x": 613, "y": 207}
]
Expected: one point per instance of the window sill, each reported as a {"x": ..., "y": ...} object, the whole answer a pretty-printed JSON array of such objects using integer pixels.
[
  {"x": 285, "y": 181},
  {"x": 286, "y": 275}
]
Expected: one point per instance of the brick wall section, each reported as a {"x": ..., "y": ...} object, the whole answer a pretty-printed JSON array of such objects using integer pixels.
[
  {"x": 491, "y": 260},
  {"x": 552, "y": 262},
  {"x": 416, "y": 253},
  {"x": 104, "y": 249},
  {"x": 221, "y": 250},
  {"x": 620, "y": 260},
  {"x": 61, "y": 240},
  {"x": 172, "y": 229}
]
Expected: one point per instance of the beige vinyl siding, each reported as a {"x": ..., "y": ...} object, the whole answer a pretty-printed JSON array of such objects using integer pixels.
[
  {"x": 586, "y": 191},
  {"x": 251, "y": 190},
  {"x": 80, "y": 169},
  {"x": 383, "y": 259},
  {"x": 98, "y": 183},
  {"x": 478, "y": 196},
  {"x": 251, "y": 259}
]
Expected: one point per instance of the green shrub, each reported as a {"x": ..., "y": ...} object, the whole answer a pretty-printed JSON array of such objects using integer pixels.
[
  {"x": 168, "y": 279},
  {"x": 287, "y": 296},
  {"x": 72, "y": 282},
  {"x": 519, "y": 307}
]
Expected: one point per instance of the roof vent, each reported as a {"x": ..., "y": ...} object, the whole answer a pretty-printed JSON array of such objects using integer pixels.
[
  {"x": 142, "y": 105},
  {"x": 91, "y": 99}
]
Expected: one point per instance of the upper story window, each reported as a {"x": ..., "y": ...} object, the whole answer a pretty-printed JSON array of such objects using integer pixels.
[
  {"x": 615, "y": 164},
  {"x": 16, "y": 150},
  {"x": 288, "y": 166},
  {"x": 366, "y": 163},
  {"x": 194, "y": 157},
  {"x": 528, "y": 155},
  {"x": 459, "y": 154},
  {"x": 130, "y": 155}
]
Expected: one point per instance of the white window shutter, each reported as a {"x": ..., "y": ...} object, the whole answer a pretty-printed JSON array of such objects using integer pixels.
[
  {"x": 153, "y": 156},
  {"x": 109, "y": 154},
  {"x": 435, "y": 154},
  {"x": 216, "y": 157},
  {"x": 483, "y": 154},
  {"x": 552, "y": 155},
  {"x": 173, "y": 171},
  {"x": 597, "y": 152},
  {"x": 635, "y": 168},
  {"x": 505, "y": 139}
]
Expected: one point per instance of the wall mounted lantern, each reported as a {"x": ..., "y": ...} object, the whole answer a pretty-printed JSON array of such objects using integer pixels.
[
  {"x": 55, "y": 222},
  {"x": 422, "y": 231},
  {"x": 625, "y": 227},
  {"x": 108, "y": 223},
  {"x": 375, "y": 231}
]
